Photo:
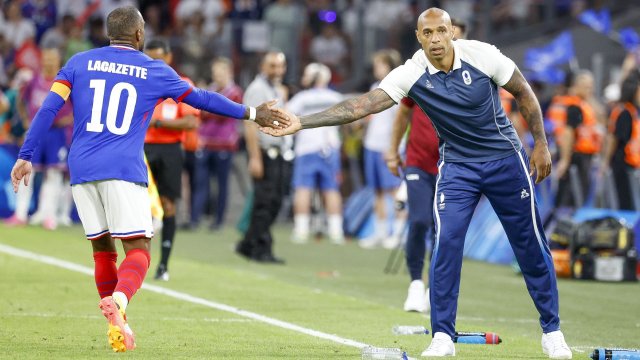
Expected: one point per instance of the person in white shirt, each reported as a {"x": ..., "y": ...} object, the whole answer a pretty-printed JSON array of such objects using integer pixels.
[
  {"x": 317, "y": 163},
  {"x": 17, "y": 30},
  {"x": 376, "y": 143}
]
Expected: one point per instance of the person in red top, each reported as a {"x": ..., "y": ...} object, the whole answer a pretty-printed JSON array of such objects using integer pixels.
[
  {"x": 163, "y": 148},
  {"x": 218, "y": 136},
  {"x": 420, "y": 170}
]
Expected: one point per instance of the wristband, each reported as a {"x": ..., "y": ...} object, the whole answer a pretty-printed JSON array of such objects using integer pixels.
[{"x": 252, "y": 113}]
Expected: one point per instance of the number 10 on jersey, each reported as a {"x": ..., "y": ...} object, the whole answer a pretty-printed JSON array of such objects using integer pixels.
[{"x": 95, "y": 125}]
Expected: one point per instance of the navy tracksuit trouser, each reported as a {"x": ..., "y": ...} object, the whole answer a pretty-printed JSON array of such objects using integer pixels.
[
  {"x": 508, "y": 187},
  {"x": 420, "y": 188}
]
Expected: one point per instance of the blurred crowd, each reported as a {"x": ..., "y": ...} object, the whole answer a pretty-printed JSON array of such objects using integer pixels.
[{"x": 220, "y": 45}]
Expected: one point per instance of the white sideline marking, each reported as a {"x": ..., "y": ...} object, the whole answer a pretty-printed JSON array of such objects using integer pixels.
[
  {"x": 87, "y": 317},
  {"x": 185, "y": 297}
]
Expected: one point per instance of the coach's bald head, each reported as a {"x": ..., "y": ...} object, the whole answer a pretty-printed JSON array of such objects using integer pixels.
[
  {"x": 435, "y": 33},
  {"x": 125, "y": 25}
]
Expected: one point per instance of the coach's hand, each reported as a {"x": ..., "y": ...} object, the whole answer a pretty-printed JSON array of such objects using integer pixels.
[
  {"x": 294, "y": 125},
  {"x": 271, "y": 117},
  {"x": 21, "y": 170},
  {"x": 540, "y": 162}
]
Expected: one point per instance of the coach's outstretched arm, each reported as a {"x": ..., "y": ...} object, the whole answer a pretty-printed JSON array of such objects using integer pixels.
[
  {"x": 529, "y": 107},
  {"x": 345, "y": 112}
]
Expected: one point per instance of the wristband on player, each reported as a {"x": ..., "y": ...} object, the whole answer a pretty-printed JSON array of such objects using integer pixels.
[{"x": 252, "y": 113}]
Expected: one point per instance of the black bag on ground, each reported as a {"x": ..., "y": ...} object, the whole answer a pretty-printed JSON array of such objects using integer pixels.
[
  {"x": 563, "y": 234},
  {"x": 612, "y": 265},
  {"x": 603, "y": 234}
]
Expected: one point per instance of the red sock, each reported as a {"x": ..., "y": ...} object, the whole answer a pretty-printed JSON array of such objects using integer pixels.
[
  {"x": 132, "y": 272},
  {"x": 105, "y": 273}
]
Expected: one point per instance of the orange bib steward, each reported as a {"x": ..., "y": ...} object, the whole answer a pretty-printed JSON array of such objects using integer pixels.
[
  {"x": 632, "y": 148},
  {"x": 588, "y": 138},
  {"x": 169, "y": 110}
]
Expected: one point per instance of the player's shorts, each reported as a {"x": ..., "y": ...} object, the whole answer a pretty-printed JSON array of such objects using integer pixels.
[
  {"x": 118, "y": 207},
  {"x": 317, "y": 171},
  {"x": 165, "y": 162},
  {"x": 377, "y": 175},
  {"x": 52, "y": 150}
]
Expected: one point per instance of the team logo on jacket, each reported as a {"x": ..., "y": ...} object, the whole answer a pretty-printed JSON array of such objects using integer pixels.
[
  {"x": 524, "y": 194},
  {"x": 441, "y": 204},
  {"x": 428, "y": 84},
  {"x": 466, "y": 77}
]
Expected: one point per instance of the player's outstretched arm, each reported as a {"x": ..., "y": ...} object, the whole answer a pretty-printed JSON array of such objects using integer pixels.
[
  {"x": 265, "y": 115},
  {"x": 39, "y": 126},
  {"x": 345, "y": 112},
  {"x": 530, "y": 109}
]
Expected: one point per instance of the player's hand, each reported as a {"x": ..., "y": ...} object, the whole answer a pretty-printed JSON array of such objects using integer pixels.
[
  {"x": 21, "y": 170},
  {"x": 294, "y": 125},
  {"x": 256, "y": 167},
  {"x": 271, "y": 117},
  {"x": 394, "y": 162},
  {"x": 540, "y": 162}
]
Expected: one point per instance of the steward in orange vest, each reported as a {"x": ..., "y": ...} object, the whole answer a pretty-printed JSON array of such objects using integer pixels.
[
  {"x": 623, "y": 150},
  {"x": 578, "y": 137}
]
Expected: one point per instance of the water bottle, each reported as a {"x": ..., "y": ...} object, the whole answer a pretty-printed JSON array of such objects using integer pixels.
[
  {"x": 615, "y": 354},
  {"x": 488, "y": 338},
  {"x": 375, "y": 353},
  {"x": 409, "y": 330}
]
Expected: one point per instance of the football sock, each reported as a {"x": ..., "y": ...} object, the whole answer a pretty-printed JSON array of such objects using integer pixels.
[
  {"x": 132, "y": 271},
  {"x": 301, "y": 225},
  {"x": 398, "y": 227},
  {"x": 381, "y": 228},
  {"x": 335, "y": 226},
  {"x": 23, "y": 199},
  {"x": 168, "y": 234},
  {"x": 121, "y": 299},
  {"x": 50, "y": 194},
  {"x": 105, "y": 272},
  {"x": 66, "y": 201}
]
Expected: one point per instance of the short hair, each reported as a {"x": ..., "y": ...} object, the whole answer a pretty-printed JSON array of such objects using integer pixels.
[
  {"x": 572, "y": 76},
  {"x": 158, "y": 43},
  {"x": 222, "y": 60},
  {"x": 629, "y": 88},
  {"x": 319, "y": 72},
  {"x": 123, "y": 22},
  {"x": 52, "y": 49},
  {"x": 460, "y": 24},
  {"x": 390, "y": 57}
]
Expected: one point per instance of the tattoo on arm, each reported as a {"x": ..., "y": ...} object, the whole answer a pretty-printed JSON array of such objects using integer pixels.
[
  {"x": 527, "y": 105},
  {"x": 349, "y": 110}
]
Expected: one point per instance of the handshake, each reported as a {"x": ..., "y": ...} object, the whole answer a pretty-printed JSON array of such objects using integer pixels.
[{"x": 276, "y": 121}]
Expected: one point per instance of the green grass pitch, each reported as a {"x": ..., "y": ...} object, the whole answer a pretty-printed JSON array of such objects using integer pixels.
[{"x": 48, "y": 312}]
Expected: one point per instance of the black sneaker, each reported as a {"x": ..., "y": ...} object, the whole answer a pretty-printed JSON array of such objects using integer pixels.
[
  {"x": 162, "y": 274},
  {"x": 268, "y": 259}
]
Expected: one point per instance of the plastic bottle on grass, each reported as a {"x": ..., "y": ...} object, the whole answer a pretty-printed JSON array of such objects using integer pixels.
[
  {"x": 376, "y": 353},
  {"x": 463, "y": 337},
  {"x": 409, "y": 330},
  {"x": 616, "y": 354}
]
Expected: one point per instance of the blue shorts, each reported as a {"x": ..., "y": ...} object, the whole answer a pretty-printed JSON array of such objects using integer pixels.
[
  {"x": 52, "y": 150},
  {"x": 377, "y": 175},
  {"x": 317, "y": 171}
]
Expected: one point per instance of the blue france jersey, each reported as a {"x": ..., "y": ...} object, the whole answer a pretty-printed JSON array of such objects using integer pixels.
[
  {"x": 464, "y": 104},
  {"x": 114, "y": 90}
]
